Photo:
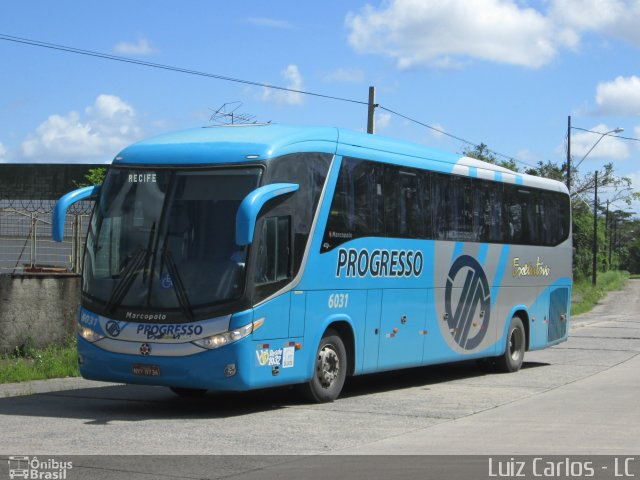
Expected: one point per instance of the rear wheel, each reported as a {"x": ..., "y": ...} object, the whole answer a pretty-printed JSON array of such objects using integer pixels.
[
  {"x": 512, "y": 359},
  {"x": 330, "y": 370}
]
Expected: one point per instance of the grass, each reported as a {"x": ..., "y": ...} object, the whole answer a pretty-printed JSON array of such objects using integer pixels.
[
  {"x": 28, "y": 363},
  {"x": 585, "y": 296}
]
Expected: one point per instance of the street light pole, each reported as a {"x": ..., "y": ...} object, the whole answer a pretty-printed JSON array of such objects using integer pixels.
[
  {"x": 602, "y": 135},
  {"x": 595, "y": 235},
  {"x": 595, "y": 201},
  {"x": 569, "y": 153}
]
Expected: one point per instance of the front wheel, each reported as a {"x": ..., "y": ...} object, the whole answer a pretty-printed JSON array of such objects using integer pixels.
[
  {"x": 330, "y": 370},
  {"x": 512, "y": 359}
]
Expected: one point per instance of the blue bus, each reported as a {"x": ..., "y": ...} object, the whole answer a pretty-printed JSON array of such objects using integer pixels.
[{"x": 241, "y": 257}]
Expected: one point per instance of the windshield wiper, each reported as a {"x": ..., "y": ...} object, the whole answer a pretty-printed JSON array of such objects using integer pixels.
[
  {"x": 178, "y": 286},
  {"x": 126, "y": 279},
  {"x": 146, "y": 260}
]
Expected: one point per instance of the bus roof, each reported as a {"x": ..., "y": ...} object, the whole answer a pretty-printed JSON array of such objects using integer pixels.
[{"x": 248, "y": 143}]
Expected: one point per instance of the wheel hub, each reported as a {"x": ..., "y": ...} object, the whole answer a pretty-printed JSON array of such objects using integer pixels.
[
  {"x": 515, "y": 344},
  {"x": 328, "y": 366}
]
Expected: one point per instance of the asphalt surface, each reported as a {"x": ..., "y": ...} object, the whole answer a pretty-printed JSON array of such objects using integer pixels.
[{"x": 577, "y": 398}]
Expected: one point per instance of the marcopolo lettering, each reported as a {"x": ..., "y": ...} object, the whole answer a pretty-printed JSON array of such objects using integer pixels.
[
  {"x": 378, "y": 263},
  {"x": 145, "y": 316},
  {"x": 168, "y": 331}
]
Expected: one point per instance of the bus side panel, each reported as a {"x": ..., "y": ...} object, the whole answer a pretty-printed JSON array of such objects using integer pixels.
[
  {"x": 326, "y": 307},
  {"x": 369, "y": 361},
  {"x": 538, "y": 322},
  {"x": 402, "y": 328},
  {"x": 276, "y": 318}
]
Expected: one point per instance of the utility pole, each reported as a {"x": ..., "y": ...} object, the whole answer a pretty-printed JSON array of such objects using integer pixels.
[
  {"x": 607, "y": 239},
  {"x": 371, "y": 110},
  {"x": 569, "y": 153},
  {"x": 595, "y": 233}
]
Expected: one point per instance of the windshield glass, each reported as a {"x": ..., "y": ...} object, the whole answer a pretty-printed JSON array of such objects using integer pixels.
[{"x": 164, "y": 241}]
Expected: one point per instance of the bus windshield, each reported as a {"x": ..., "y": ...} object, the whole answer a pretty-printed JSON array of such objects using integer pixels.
[{"x": 164, "y": 241}]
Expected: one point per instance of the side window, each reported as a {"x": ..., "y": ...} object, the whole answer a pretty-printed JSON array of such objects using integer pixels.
[
  {"x": 487, "y": 221},
  {"x": 461, "y": 210},
  {"x": 523, "y": 212},
  {"x": 357, "y": 208},
  {"x": 452, "y": 208},
  {"x": 274, "y": 259},
  {"x": 309, "y": 170},
  {"x": 440, "y": 186},
  {"x": 406, "y": 203}
]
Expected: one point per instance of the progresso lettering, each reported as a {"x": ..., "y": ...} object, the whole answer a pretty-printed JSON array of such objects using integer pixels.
[
  {"x": 378, "y": 263},
  {"x": 157, "y": 332}
]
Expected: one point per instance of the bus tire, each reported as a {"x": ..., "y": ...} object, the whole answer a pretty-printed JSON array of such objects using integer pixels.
[
  {"x": 329, "y": 370},
  {"x": 188, "y": 392},
  {"x": 513, "y": 356}
]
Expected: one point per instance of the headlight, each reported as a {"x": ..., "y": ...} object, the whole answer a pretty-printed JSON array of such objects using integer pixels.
[
  {"x": 222, "y": 339},
  {"x": 88, "y": 334}
]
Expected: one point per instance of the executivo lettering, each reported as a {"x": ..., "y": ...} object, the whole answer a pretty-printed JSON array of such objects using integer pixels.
[{"x": 530, "y": 269}]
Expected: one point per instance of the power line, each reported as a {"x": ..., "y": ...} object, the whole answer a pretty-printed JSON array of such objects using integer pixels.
[
  {"x": 107, "y": 56},
  {"x": 460, "y": 139},
  {"x": 606, "y": 134}
]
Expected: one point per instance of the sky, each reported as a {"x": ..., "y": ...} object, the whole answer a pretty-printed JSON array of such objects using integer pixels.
[{"x": 506, "y": 73}]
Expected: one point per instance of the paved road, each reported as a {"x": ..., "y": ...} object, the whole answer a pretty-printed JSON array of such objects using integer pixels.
[{"x": 580, "y": 397}]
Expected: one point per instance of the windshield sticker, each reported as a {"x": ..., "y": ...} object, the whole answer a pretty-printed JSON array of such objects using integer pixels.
[
  {"x": 354, "y": 263},
  {"x": 166, "y": 282}
]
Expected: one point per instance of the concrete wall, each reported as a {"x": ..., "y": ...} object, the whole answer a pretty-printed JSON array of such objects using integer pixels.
[{"x": 40, "y": 309}]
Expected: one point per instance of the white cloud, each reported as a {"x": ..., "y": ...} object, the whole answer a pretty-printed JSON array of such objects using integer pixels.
[
  {"x": 608, "y": 148},
  {"x": 526, "y": 155},
  {"x": 618, "y": 18},
  {"x": 106, "y": 127},
  {"x": 3, "y": 152},
  {"x": 437, "y": 132},
  {"x": 346, "y": 75},
  {"x": 282, "y": 97},
  {"x": 141, "y": 47},
  {"x": 620, "y": 96},
  {"x": 635, "y": 184},
  {"x": 382, "y": 120},
  {"x": 441, "y": 32},
  {"x": 446, "y": 33}
]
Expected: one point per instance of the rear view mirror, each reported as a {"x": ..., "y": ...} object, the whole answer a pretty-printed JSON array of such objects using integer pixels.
[
  {"x": 60, "y": 210},
  {"x": 251, "y": 205}
]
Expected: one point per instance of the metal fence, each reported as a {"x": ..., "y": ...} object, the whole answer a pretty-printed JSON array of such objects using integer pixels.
[{"x": 26, "y": 245}]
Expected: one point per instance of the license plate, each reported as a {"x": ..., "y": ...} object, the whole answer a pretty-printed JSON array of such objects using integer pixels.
[{"x": 146, "y": 370}]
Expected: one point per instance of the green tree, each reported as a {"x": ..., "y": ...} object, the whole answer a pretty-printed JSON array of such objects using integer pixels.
[
  {"x": 549, "y": 170},
  {"x": 482, "y": 152},
  {"x": 94, "y": 176}
]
